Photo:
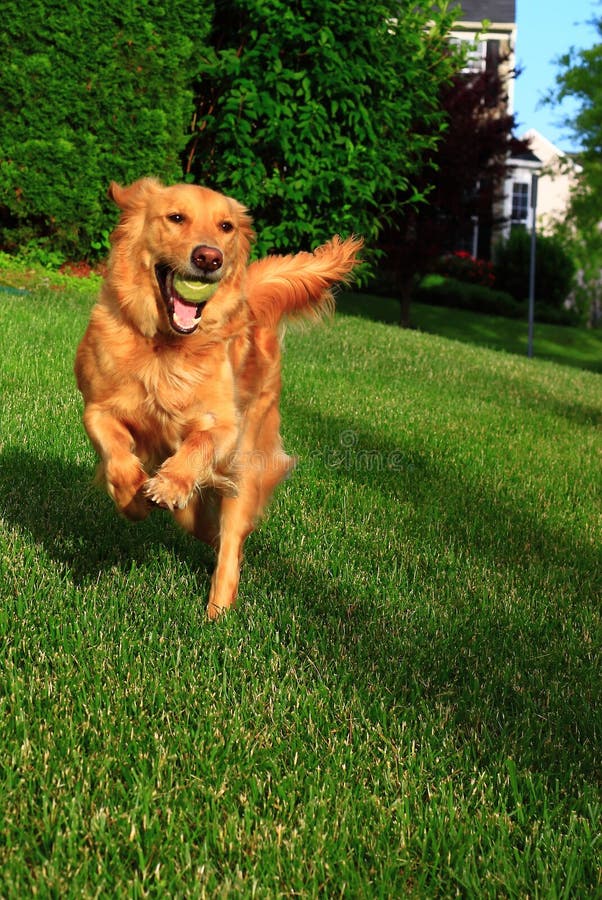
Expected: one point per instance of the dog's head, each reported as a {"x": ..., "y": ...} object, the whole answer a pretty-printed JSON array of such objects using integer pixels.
[{"x": 177, "y": 253}]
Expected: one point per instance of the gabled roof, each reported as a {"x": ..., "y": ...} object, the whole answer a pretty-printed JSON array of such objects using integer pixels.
[
  {"x": 493, "y": 10},
  {"x": 545, "y": 148},
  {"x": 527, "y": 156},
  {"x": 549, "y": 152}
]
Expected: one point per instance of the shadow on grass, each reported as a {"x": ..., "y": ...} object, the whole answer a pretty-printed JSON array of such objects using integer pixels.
[
  {"x": 495, "y": 607},
  {"x": 513, "y": 675},
  {"x": 539, "y": 400},
  {"x": 56, "y": 502},
  {"x": 369, "y": 306},
  {"x": 475, "y": 679},
  {"x": 502, "y": 523}
]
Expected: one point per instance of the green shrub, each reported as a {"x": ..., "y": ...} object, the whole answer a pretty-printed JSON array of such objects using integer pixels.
[
  {"x": 554, "y": 268},
  {"x": 437, "y": 290},
  {"x": 91, "y": 92},
  {"x": 319, "y": 119},
  {"x": 321, "y": 116}
]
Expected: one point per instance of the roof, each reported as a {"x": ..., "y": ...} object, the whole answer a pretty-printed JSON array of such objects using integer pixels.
[
  {"x": 545, "y": 148},
  {"x": 527, "y": 156},
  {"x": 548, "y": 152},
  {"x": 493, "y": 10}
]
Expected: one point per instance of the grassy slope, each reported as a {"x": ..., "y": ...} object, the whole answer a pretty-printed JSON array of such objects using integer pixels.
[
  {"x": 570, "y": 346},
  {"x": 406, "y": 701}
]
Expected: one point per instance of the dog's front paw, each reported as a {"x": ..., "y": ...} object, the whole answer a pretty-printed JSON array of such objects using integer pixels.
[{"x": 169, "y": 491}]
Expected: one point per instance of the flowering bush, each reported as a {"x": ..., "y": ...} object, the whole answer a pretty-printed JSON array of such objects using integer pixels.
[{"x": 464, "y": 267}]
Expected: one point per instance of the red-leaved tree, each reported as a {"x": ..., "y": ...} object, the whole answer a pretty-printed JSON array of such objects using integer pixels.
[{"x": 465, "y": 180}]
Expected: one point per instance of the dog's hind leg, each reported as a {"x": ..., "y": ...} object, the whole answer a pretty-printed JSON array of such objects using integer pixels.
[
  {"x": 260, "y": 470},
  {"x": 236, "y": 525},
  {"x": 201, "y": 517}
]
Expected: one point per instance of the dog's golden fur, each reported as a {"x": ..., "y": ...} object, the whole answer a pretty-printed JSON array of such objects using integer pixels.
[{"x": 181, "y": 401}]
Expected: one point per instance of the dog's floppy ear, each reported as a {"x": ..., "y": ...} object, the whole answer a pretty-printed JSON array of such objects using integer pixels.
[
  {"x": 116, "y": 194},
  {"x": 128, "y": 197}
]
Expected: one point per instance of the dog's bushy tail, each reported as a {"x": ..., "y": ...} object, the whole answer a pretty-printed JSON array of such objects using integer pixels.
[{"x": 298, "y": 286}]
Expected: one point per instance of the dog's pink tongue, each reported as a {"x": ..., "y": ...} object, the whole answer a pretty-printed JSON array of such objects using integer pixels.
[{"x": 185, "y": 313}]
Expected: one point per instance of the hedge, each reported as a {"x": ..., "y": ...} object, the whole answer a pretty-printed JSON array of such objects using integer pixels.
[
  {"x": 91, "y": 92},
  {"x": 437, "y": 290},
  {"x": 318, "y": 116}
]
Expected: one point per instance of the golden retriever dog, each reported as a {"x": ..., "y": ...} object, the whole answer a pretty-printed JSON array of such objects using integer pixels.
[{"x": 179, "y": 367}]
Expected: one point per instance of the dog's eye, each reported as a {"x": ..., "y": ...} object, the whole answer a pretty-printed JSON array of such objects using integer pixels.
[
  {"x": 226, "y": 226},
  {"x": 177, "y": 218}
]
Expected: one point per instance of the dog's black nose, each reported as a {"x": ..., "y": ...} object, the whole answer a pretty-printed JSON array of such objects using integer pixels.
[{"x": 207, "y": 259}]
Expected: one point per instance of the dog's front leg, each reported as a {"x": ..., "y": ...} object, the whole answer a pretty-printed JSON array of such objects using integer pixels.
[
  {"x": 123, "y": 472},
  {"x": 200, "y": 461}
]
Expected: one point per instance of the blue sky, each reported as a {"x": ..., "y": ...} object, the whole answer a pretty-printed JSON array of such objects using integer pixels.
[{"x": 546, "y": 30}]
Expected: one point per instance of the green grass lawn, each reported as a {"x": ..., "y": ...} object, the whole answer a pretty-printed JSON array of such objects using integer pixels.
[
  {"x": 579, "y": 347},
  {"x": 406, "y": 701}
]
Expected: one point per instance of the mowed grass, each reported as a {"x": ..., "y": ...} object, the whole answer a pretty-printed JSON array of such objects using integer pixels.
[
  {"x": 406, "y": 701},
  {"x": 580, "y": 347}
]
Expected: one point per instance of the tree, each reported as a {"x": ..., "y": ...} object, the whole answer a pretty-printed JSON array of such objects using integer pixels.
[
  {"x": 462, "y": 183},
  {"x": 579, "y": 78},
  {"x": 319, "y": 116}
]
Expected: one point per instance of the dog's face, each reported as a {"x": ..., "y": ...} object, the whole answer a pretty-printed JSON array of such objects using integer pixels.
[{"x": 174, "y": 249}]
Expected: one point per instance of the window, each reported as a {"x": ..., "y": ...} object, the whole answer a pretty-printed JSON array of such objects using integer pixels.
[
  {"x": 476, "y": 54},
  {"x": 520, "y": 202}
]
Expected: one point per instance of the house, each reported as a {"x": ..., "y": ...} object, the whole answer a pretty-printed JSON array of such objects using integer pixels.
[
  {"x": 520, "y": 190},
  {"x": 488, "y": 27},
  {"x": 488, "y": 46},
  {"x": 495, "y": 45},
  {"x": 558, "y": 174}
]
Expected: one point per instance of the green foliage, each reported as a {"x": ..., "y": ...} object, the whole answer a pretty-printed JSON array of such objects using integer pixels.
[
  {"x": 91, "y": 92},
  {"x": 319, "y": 116},
  {"x": 581, "y": 236},
  {"x": 554, "y": 267},
  {"x": 585, "y": 247},
  {"x": 439, "y": 290},
  {"x": 578, "y": 80}
]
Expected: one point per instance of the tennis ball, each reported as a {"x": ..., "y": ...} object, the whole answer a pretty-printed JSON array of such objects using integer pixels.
[{"x": 194, "y": 291}]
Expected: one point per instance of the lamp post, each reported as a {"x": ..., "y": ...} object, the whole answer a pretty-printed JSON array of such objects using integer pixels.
[{"x": 532, "y": 265}]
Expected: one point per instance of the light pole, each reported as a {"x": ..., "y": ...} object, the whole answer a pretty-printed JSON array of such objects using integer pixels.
[{"x": 532, "y": 265}]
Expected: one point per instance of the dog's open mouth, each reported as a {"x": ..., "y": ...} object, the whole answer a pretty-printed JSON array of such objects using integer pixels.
[{"x": 185, "y": 297}]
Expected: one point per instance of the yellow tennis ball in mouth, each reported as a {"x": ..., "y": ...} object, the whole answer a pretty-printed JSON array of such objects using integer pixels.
[{"x": 194, "y": 290}]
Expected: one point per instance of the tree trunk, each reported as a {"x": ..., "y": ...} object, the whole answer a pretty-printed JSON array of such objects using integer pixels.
[{"x": 405, "y": 297}]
